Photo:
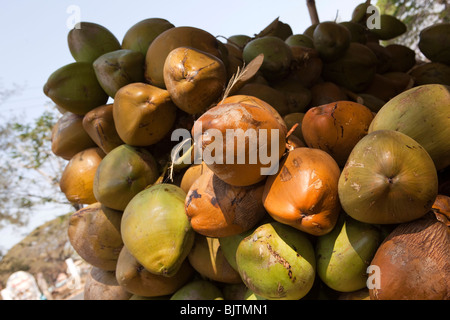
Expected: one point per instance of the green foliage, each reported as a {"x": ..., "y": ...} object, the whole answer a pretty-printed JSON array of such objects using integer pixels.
[
  {"x": 37, "y": 137},
  {"x": 29, "y": 171}
]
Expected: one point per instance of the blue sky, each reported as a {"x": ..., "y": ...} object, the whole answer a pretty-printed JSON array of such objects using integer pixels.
[{"x": 34, "y": 33}]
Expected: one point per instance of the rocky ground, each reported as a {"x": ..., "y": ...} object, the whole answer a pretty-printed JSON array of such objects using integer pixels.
[{"x": 43, "y": 254}]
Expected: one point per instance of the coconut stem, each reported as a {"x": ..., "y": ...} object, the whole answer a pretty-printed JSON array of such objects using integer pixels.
[
  {"x": 311, "y": 4},
  {"x": 292, "y": 129},
  {"x": 163, "y": 174},
  {"x": 289, "y": 147}
]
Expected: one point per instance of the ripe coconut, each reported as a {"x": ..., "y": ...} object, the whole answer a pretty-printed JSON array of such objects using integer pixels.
[
  {"x": 217, "y": 209},
  {"x": 207, "y": 258},
  {"x": 191, "y": 174},
  {"x": 194, "y": 79},
  {"x": 413, "y": 262},
  {"x": 102, "y": 285},
  {"x": 441, "y": 208},
  {"x": 173, "y": 38},
  {"x": 304, "y": 192},
  {"x": 69, "y": 137},
  {"x": 99, "y": 125},
  {"x": 239, "y": 142},
  {"x": 254, "y": 101},
  {"x": 336, "y": 127},
  {"x": 77, "y": 179},
  {"x": 94, "y": 233},
  {"x": 134, "y": 278},
  {"x": 143, "y": 114}
]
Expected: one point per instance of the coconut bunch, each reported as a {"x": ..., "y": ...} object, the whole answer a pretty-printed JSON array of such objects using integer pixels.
[{"x": 279, "y": 166}]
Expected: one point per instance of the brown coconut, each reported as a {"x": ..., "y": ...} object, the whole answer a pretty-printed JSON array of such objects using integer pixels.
[
  {"x": 414, "y": 262},
  {"x": 207, "y": 258},
  {"x": 304, "y": 192},
  {"x": 69, "y": 137},
  {"x": 218, "y": 209},
  {"x": 247, "y": 123},
  {"x": 94, "y": 233},
  {"x": 99, "y": 125},
  {"x": 102, "y": 285},
  {"x": 134, "y": 278}
]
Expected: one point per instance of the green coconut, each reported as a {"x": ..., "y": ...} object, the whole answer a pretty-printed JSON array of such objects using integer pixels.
[
  {"x": 118, "y": 68},
  {"x": 331, "y": 40},
  {"x": 434, "y": 42},
  {"x": 87, "y": 41},
  {"x": 141, "y": 35},
  {"x": 156, "y": 230},
  {"x": 344, "y": 254},
  {"x": 389, "y": 178},
  {"x": 75, "y": 88},
  {"x": 355, "y": 70},
  {"x": 277, "y": 56},
  {"x": 277, "y": 262},
  {"x": 423, "y": 114},
  {"x": 125, "y": 171},
  {"x": 390, "y": 27},
  {"x": 198, "y": 290}
]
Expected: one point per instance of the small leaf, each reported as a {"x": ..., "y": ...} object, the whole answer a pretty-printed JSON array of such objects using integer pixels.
[{"x": 241, "y": 77}]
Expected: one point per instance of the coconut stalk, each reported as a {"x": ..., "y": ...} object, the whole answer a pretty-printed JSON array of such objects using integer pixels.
[{"x": 311, "y": 4}]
